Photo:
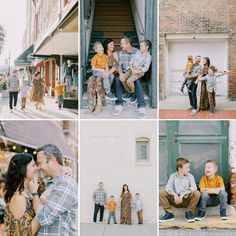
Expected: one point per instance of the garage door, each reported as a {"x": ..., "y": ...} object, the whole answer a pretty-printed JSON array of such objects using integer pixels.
[{"x": 179, "y": 50}]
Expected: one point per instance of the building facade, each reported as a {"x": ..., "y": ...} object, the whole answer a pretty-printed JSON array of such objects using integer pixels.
[
  {"x": 197, "y": 28},
  {"x": 116, "y": 154}
]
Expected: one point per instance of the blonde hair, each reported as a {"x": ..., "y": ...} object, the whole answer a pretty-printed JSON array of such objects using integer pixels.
[
  {"x": 212, "y": 162},
  {"x": 96, "y": 45}
]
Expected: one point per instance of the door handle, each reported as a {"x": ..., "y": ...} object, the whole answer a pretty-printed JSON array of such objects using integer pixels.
[{"x": 175, "y": 137}]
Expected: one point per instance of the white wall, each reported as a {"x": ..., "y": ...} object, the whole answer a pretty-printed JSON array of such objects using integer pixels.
[{"x": 108, "y": 155}]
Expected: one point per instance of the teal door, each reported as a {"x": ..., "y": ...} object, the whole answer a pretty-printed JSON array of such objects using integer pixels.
[{"x": 198, "y": 141}]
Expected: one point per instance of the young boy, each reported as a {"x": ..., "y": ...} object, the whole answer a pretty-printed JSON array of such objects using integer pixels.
[
  {"x": 100, "y": 69},
  {"x": 180, "y": 192},
  {"x": 139, "y": 64},
  {"x": 212, "y": 191},
  {"x": 112, "y": 209},
  {"x": 187, "y": 70},
  {"x": 139, "y": 208},
  {"x": 211, "y": 86},
  {"x": 60, "y": 90}
]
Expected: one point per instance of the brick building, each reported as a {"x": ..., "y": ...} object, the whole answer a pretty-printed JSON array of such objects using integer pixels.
[{"x": 197, "y": 28}]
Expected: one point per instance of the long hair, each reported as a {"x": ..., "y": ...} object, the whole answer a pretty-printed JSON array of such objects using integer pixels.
[
  {"x": 16, "y": 174},
  {"x": 123, "y": 188},
  {"x": 105, "y": 44},
  {"x": 207, "y": 60}
]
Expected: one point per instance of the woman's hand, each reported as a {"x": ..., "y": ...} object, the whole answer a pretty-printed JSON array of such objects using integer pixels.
[
  {"x": 66, "y": 170},
  {"x": 33, "y": 185}
]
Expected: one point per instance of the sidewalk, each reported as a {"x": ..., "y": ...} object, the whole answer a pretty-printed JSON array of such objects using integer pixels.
[
  {"x": 118, "y": 230},
  {"x": 175, "y": 107},
  {"x": 49, "y": 111},
  {"x": 130, "y": 111}
]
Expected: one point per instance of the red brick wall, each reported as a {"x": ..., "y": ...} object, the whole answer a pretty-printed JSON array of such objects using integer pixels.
[{"x": 199, "y": 17}]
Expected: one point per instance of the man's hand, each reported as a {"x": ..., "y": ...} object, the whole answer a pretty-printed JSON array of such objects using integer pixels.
[
  {"x": 122, "y": 77},
  {"x": 33, "y": 185},
  {"x": 178, "y": 199}
]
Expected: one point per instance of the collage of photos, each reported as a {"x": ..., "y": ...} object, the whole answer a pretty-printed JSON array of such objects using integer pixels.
[{"x": 118, "y": 118}]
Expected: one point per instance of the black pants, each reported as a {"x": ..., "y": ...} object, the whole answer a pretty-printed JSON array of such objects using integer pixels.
[
  {"x": 13, "y": 96},
  {"x": 193, "y": 96},
  {"x": 98, "y": 207}
]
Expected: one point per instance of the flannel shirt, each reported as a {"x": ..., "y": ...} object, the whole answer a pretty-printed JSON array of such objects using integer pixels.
[
  {"x": 125, "y": 59},
  {"x": 100, "y": 196}
]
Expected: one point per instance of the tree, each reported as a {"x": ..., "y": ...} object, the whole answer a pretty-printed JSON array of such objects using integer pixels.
[{"x": 2, "y": 37}]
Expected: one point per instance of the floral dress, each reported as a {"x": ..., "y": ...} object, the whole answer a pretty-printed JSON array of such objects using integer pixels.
[
  {"x": 125, "y": 209},
  {"x": 204, "y": 101},
  {"x": 37, "y": 91},
  {"x": 22, "y": 226}
]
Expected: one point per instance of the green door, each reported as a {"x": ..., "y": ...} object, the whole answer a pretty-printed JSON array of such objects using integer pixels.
[{"x": 198, "y": 141}]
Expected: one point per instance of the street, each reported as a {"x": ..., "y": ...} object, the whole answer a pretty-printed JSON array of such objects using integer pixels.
[{"x": 49, "y": 110}]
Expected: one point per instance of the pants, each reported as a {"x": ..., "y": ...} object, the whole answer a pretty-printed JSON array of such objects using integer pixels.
[
  {"x": 68, "y": 80},
  {"x": 107, "y": 82},
  {"x": 190, "y": 202},
  {"x": 193, "y": 96},
  {"x": 138, "y": 92},
  {"x": 140, "y": 216},
  {"x": 129, "y": 83},
  {"x": 60, "y": 101},
  {"x": 213, "y": 200},
  {"x": 113, "y": 215},
  {"x": 23, "y": 102},
  {"x": 212, "y": 102},
  {"x": 98, "y": 207},
  {"x": 13, "y": 96}
]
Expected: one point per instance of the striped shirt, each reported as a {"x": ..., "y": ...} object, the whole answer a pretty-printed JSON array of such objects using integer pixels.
[
  {"x": 13, "y": 84},
  {"x": 125, "y": 59},
  {"x": 58, "y": 216}
]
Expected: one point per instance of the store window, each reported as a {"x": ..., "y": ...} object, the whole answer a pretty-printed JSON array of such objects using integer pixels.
[{"x": 142, "y": 149}]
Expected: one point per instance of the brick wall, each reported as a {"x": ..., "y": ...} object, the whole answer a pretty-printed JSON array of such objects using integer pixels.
[{"x": 199, "y": 17}]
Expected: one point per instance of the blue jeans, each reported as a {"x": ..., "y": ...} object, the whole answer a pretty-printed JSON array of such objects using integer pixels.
[
  {"x": 60, "y": 101},
  {"x": 193, "y": 96},
  {"x": 138, "y": 92},
  {"x": 213, "y": 200},
  {"x": 98, "y": 207},
  {"x": 113, "y": 215}
]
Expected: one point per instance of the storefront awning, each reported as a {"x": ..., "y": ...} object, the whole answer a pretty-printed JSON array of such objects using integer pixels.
[{"x": 23, "y": 59}]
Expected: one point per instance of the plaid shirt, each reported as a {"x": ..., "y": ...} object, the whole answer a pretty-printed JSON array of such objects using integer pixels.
[
  {"x": 58, "y": 216},
  {"x": 100, "y": 196},
  {"x": 125, "y": 59},
  {"x": 13, "y": 84}
]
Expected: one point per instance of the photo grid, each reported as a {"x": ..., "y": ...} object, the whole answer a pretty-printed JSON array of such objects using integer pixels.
[{"x": 117, "y": 117}]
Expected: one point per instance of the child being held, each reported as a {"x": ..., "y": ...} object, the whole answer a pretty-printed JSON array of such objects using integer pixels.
[
  {"x": 212, "y": 190},
  {"x": 211, "y": 86},
  {"x": 187, "y": 71},
  {"x": 139, "y": 64},
  {"x": 112, "y": 209},
  {"x": 100, "y": 69},
  {"x": 138, "y": 205}
]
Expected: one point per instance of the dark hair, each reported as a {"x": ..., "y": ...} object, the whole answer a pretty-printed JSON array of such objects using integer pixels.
[
  {"x": 105, "y": 44},
  {"x": 111, "y": 196},
  {"x": 50, "y": 150},
  {"x": 16, "y": 174},
  {"x": 207, "y": 60},
  {"x": 147, "y": 43},
  {"x": 180, "y": 162},
  {"x": 123, "y": 188}
]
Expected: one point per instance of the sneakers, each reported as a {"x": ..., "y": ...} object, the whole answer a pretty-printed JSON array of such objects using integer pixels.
[
  {"x": 189, "y": 217},
  {"x": 169, "y": 216},
  {"x": 110, "y": 96},
  {"x": 133, "y": 98},
  {"x": 142, "y": 113},
  {"x": 118, "y": 109},
  {"x": 127, "y": 96},
  {"x": 194, "y": 112},
  {"x": 223, "y": 214},
  {"x": 200, "y": 216}
]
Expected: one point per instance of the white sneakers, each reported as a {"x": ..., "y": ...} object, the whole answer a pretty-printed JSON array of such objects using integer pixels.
[
  {"x": 194, "y": 112},
  {"x": 118, "y": 109},
  {"x": 142, "y": 113}
]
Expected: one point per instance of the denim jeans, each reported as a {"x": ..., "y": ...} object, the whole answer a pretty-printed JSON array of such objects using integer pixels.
[
  {"x": 113, "y": 215},
  {"x": 193, "y": 96},
  {"x": 13, "y": 96},
  {"x": 60, "y": 101},
  {"x": 213, "y": 200},
  {"x": 98, "y": 207},
  {"x": 138, "y": 92}
]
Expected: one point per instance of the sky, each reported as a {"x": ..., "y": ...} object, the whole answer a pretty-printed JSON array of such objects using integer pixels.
[{"x": 13, "y": 19}]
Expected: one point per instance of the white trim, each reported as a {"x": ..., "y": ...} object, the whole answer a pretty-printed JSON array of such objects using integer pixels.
[{"x": 173, "y": 37}]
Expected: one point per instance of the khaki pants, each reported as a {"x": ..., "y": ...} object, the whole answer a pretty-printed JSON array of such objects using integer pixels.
[
  {"x": 190, "y": 202},
  {"x": 23, "y": 102},
  {"x": 140, "y": 216},
  {"x": 129, "y": 83}
]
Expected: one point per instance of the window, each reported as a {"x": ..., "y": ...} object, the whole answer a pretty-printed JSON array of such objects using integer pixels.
[{"x": 142, "y": 149}]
